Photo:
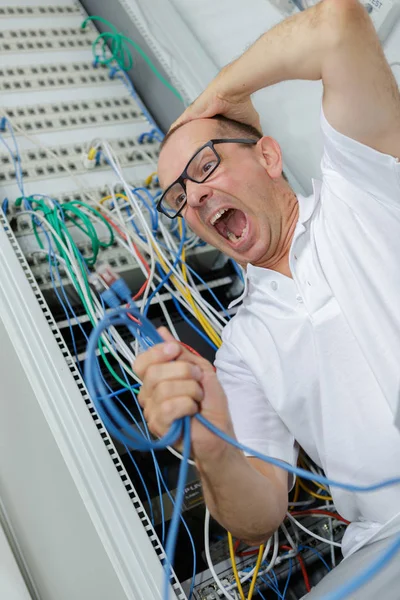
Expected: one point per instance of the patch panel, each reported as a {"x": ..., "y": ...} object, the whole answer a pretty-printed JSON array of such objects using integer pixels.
[
  {"x": 28, "y": 40},
  {"x": 207, "y": 589},
  {"x": 43, "y": 77},
  {"x": 95, "y": 192},
  {"x": 72, "y": 115},
  {"x": 36, "y": 164},
  {"x": 39, "y": 11},
  {"x": 123, "y": 262}
]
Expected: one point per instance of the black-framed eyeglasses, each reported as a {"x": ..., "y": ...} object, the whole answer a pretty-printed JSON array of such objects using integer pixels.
[{"x": 199, "y": 168}]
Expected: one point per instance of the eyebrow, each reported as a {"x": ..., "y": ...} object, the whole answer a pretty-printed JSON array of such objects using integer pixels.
[{"x": 163, "y": 188}]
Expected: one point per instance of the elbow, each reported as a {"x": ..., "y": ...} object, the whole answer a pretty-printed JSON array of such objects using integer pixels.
[
  {"x": 340, "y": 20},
  {"x": 258, "y": 534}
]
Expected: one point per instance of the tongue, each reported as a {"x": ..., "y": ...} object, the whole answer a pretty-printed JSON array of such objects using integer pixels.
[{"x": 236, "y": 222}]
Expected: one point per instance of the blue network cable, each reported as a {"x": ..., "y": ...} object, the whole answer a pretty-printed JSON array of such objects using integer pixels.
[
  {"x": 239, "y": 272},
  {"x": 147, "y": 335},
  {"x": 314, "y": 551},
  {"x": 270, "y": 583},
  {"x": 116, "y": 71},
  {"x": 146, "y": 491},
  {"x": 189, "y": 534},
  {"x": 285, "y": 589},
  {"x": 192, "y": 325},
  {"x": 16, "y": 157},
  {"x": 155, "y": 462},
  {"x": 197, "y": 276},
  {"x": 165, "y": 277}
]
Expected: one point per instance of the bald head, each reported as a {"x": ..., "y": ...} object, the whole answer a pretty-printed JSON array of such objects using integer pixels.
[{"x": 228, "y": 127}]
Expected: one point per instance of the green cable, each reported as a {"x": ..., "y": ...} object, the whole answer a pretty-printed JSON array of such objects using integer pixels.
[
  {"x": 119, "y": 51},
  {"x": 99, "y": 216},
  {"x": 58, "y": 224}
]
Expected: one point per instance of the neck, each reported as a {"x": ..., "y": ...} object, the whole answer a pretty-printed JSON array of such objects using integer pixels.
[{"x": 280, "y": 261}]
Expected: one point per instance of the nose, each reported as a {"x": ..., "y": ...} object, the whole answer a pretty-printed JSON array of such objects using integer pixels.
[{"x": 197, "y": 194}]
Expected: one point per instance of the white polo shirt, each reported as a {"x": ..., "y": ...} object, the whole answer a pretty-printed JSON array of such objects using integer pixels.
[{"x": 316, "y": 359}]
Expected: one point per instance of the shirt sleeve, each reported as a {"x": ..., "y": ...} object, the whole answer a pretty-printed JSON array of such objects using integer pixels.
[
  {"x": 255, "y": 422},
  {"x": 370, "y": 171}
]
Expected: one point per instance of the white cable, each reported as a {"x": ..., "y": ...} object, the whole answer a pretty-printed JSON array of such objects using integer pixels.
[
  {"x": 178, "y": 455},
  {"x": 48, "y": 151},
  {"x": 83, "y": 289},
  {"x": 289, "y": 538},
  {"x": 208, "y": 557},
  {"x": 311, "y": 533},
  {"x": 302, "y": 503},
  {"x": 274, "y": 554},
  {"x": 130, "y": 248},
  {"x": 246, "y": 576},
  {"x": 113, "y": 160}
]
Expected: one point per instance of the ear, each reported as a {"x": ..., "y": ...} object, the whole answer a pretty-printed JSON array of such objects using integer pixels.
[{"x": 270, "y": 156}]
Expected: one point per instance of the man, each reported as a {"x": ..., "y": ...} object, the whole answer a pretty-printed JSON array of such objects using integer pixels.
[{"x": 312, "y": 354}]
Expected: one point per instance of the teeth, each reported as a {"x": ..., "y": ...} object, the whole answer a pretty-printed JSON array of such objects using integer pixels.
[
  {"x": 233, "y": 238},
  {"x": 218, "y": 215}
]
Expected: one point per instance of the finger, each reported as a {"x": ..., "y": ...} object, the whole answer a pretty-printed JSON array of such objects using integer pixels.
[
  {"x": 160, "y": 422},
  {"x": 166, "y": 334},
  {"x": 167, "y": 390},
  {"x": 157, "y": 354},
  {"x": 188, "y": 353},
  {"x": 179, "y": 370}
]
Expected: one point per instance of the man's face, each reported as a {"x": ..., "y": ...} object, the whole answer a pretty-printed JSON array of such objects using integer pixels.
[{"x": 236, "y": 209}]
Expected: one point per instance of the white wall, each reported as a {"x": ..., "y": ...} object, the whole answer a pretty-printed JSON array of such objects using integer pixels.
[{"x": 289, "y": 111}]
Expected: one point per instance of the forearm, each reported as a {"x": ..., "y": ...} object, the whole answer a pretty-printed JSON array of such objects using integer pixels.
[
  {"x": 244, "y": 501},
  {"x": 296, "y": 48}
]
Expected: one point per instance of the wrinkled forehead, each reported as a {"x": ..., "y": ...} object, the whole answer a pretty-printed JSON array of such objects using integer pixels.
[{"x": 181, "y": 146}]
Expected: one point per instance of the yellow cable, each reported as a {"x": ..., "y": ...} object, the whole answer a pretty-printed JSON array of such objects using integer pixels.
[
  {"x": 256, "y": 570},
  {"x": 208, "y": 328},
  {"x": 92, "y": 153},
  {"x": 296, "y": 493},
  {"x": 304, "y": 465},
  {"x": 313, "y": 494},
  {"x": 111, "y": 197},
  {"x": 234, "y": 567},
  {"x": 149, "y": 179}
]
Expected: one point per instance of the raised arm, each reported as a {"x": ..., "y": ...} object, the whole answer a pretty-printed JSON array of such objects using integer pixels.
[{"x": 335, "y": 41}]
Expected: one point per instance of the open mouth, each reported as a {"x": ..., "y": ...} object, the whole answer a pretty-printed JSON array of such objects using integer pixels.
[{"x": 231, "y": 223}]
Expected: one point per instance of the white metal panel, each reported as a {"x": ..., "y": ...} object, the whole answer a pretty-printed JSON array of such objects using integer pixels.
[{"x": 12, "y": 585}]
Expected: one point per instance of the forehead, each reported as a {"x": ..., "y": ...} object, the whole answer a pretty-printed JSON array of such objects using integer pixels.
[{"x": 181, "y": 146}]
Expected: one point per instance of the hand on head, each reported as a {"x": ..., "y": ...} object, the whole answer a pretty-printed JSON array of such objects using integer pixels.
[{"x": 217, "y": 100}]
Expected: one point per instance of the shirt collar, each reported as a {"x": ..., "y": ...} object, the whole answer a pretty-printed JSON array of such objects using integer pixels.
[{"x": 306, "y": 209}]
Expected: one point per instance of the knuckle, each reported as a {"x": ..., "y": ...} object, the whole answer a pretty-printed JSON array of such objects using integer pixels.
[
  {"x": 152, "y": 425},
  {"x": 185, "y": 370},
  {"x": 152, "y": 374},
  {"x": 197, "y": 391},
  {"x": 138, "y": 366},
  {"x": 167, "y": 410},
  {"x": 162, "y": 391}
]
